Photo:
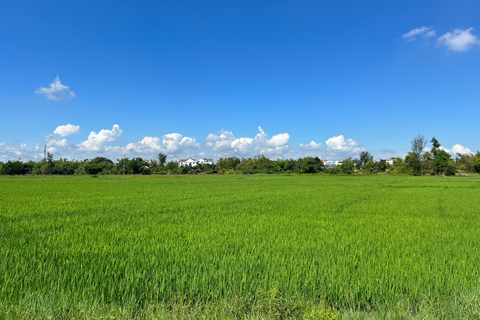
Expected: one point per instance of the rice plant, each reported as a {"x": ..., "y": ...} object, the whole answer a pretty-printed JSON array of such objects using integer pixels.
[{"x": 353, "y": 243}]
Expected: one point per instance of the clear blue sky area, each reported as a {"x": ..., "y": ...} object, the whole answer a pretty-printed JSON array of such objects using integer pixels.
[{"x": 347, "y": 75}]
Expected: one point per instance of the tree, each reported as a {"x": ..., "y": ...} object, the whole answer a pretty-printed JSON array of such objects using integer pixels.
[
  {"x": 99, "y": 165},
  {"x": 98, "y": 160},
  {"x": 135, "y": 165},
  {"x": 162, "y": 158},
  {"x": 365, "y": 157},
  {"x": 172, "y": 166},
  {"x": 50, "y": 165},
  {"x": 418, "y": 144},
  {"x": 381, "y": 166},
  {"x": 347, "y": 166},
  {"x": 465, "y": 162},
  {"x": 428, "y": 162},
  {"x": 411, "y": 165},
  {"x": 310, "y": 165},
  {"x": 262, "y": 163},
  {"x": 369, "y": 167},
  {"x": 476, "y": 162},
  {"x": 228, "y": 163},
  {"x": 443, "y": 163},
  {"x": 13, "y": 168},
  {"x": 122, "y": 165},
  {"x": 435, "y": 143}
]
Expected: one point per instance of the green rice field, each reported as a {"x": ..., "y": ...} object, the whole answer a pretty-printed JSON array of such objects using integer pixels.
[{"x": 307, "y": 246}]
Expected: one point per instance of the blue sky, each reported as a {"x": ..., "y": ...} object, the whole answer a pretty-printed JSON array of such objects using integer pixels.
[{"x": 221, "y": 78}]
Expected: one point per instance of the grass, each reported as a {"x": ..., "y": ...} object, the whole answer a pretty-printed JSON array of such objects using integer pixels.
[{"x": 239, "y": 246}]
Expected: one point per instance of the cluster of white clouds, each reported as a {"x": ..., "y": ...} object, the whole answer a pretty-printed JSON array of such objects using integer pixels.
[
  {"x": 338, "y": 146},
  {"x": 97, "y": 142},
  {"x": 67, "y": 130},
  {"x": 56, "y": 91},
  {"x": 221, "y": 144},
  {"x": 312, "y": 145},
  {"x": 57, "y": 138},
  {"x": 458, "y": 40},
  {"x": 169, "y": 144},
  {"x": 21, "y": 151},
  {"x": 225, "y": 144}
]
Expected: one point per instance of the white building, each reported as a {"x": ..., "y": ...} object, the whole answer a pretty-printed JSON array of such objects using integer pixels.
[
  {"x": 204, "y": 161},
  {"x": 338, "y": 163},
  {"x": 187, "y": 162},
  {"x": 390, "y": 161},
  {"x": 193, "y": 163},
  {"x": 328, "y": 164}
]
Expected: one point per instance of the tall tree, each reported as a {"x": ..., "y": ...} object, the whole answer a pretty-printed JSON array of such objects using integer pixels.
[
  {"x": 435, "y": 143},
  {"x": 418, "y": 144},
  {"x": 443, "y": 163},
  {"x": 365, "y": 157},
  {"x": 162, "y": 158},
  {"x": 50, "y": 166}
]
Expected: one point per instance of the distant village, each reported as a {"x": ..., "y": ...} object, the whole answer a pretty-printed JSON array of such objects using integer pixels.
[{"x": 326, "y": 163}]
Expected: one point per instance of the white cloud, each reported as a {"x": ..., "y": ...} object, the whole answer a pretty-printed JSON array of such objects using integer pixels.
[
  {"x": 51, "y": 150},
  {"x": 22, "y": 151},
  {"x": 426, "y": 32},
  {"x": 222, "y": 142},
  {"x": 312, "y": 145},
  {"x": 225, "y": 144},
  {"x": 278, "y": 140},
  {"x": 96, "y": 141},
  {"x": 63, "y": 143},
  {"x": 460, "y": 149},
  {"x": 67, "y": 130},
  {"x": 170, "y": 143},
  {"x": 146, "y": 145},
  {"x": 457, "y": 148},
  {"x": 173, "y": 143},
  {"x": 339, "y": 148},
  {"x": 56, "y": 91},
  {"x": 54, "y": 140},
  {"x": 458, "y": 40}
]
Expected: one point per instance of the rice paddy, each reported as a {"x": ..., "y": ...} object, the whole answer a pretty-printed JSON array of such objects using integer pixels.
[{"x": 362, "y": 243}]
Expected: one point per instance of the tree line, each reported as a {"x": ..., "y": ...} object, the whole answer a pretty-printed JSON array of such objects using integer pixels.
[
  {"x": 435, "y": 160},
  {"x": 419, "y": 161}
]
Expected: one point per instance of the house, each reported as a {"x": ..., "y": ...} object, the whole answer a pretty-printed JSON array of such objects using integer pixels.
[
  {"x": 390, "y": 161},
  {"x": 204, "y": 161},
  {"x": 187, "y": 162},
  {"x": 338, "y": 163},
  {"x": 328, "y": 164},
  {"x": 193, "y": 163},
  {"x": 147, "y": 164}
]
